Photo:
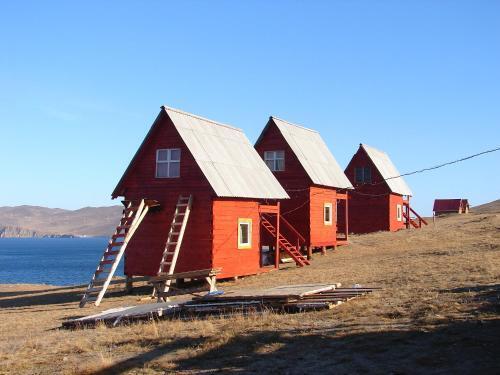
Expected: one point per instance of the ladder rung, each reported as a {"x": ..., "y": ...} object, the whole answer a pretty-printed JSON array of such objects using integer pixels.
[
  {"x": 172, "y": 243},
  {"x": 175, "y": 233},
  {"x": 118, "y": 235},
  {"x": 112, "y": 252},
  {"x": 91, "y": 299},
  {"x": 107, "y": 261},
  {"x": 170, "y": 252},
  {"x": 99, "y": 271},
  {"x": 177, "y": 223},
  {"x": 92, "y": 290},
  {"x": 167, "y": 263},
  {"x": 182, "y": 204},
  {"x": 113, "y": 244},
  {"x": 120, "y": 227},
  {"x": 181, "y": 214}
]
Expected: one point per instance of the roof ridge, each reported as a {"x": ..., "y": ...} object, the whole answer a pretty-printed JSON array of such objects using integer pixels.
[
  {"x": 374, "y": 148},
  {"x": 201, "y": 118},
  {"x": 296, "y": 125}
]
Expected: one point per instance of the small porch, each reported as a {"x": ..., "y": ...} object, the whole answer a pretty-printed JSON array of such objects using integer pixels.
[{"x": 280, "y": 241}]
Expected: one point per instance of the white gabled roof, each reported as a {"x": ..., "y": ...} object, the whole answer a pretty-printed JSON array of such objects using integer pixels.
[
  {"x": 313, "y": 154},
  {"x": 388, "y": 170},
  {"x": 226, "y": 157}
]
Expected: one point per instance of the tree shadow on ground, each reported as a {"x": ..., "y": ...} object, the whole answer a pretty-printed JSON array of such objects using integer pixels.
[
  {"x": 459, "y": 347},
  {"x": 488, "y": 297},
  {"x": 455, "y": 346}
]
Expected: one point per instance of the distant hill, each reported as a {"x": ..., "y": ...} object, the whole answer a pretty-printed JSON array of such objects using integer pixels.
[
  {"x": 34, "y": 221},
  {"x": 488, "y": 208}
]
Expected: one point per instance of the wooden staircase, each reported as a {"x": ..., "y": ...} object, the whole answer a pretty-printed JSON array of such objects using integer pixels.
[
  {"x": 132, "y": 216},
  {"x": 416, "y": 221},
  {"x": 173, "y": 244},
  {"x": 285, "y": 244}
]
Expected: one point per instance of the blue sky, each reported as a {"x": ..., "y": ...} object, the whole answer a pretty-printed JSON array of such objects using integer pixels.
[{"x": 81, "y": 83}]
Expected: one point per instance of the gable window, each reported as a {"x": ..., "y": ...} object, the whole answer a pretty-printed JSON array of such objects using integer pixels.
[
  {"x": 244, "y": 233},
  {"x": 168, "y": 163},
  {"x": 275, "y": 160},
  {"x": 399, "y": 213},
  {"x": 327, "y": 214},
  {"x": 362, "y": 175}
]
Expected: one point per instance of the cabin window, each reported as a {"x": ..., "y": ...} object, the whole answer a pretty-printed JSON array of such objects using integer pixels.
[
  {"x": 168, "y": 163},
  {"x": 363, "y": 175},
  {"x": 244, "y": 233},
  {"x": 399, "y": 213},
  {"x": 275, "y": 160},
  {"x": 327, "y": 213}
]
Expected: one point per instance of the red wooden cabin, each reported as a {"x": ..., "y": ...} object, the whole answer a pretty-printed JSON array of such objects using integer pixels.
[
  {"x": 305, "y": 167},
  {"x": 449, "y": 206},
  {"x": 380, "y": 200},
  {"x": 184, "y": 154}
]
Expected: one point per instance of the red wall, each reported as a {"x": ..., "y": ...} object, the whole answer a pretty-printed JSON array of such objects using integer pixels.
[
  {"x": 321, "y": 234},
  {"x": 394, "y": 224},
  {"x": 371, "y": 207},
  {"x": 304, "y": 209},
  {"x": 146, "y": 247},
  {"x": 226, "y": 255}
]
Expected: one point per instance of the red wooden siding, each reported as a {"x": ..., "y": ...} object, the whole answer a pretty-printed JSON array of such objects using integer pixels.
[
  {"x": 145, "y": 250},
  {"x": 321, "y": 234},
  {"x": 371, "y": 207},
  {"x": 226, "y": 255},
  {"x": 304, "y": 209},
  {"x": 394, "y": 201},
  {"x": 294, "y": 180}
]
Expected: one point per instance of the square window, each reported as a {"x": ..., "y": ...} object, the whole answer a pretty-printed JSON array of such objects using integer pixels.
[
  {"x": 327, "y": 214},
  {"x": 275, "y": 160},
  {"x": 362, "y": 175},
  {"x": 244, "y": 233},
  {"x": 168, "y": 163}
]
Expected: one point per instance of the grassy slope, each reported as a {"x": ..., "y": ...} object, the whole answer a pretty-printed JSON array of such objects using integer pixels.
[{"x": 439, "y": 311}]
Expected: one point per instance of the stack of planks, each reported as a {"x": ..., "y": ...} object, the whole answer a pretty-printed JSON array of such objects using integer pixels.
[
  {"x": 281, "y": 299},
  {"x": 288, "y": 299}
]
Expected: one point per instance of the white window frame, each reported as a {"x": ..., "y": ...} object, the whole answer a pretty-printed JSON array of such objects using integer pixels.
[
  {"x": 273, "y": 157},
  {"x": 399, "y": 212},
  {"x": 241, "y": 223},
  {"x": 330, "y": 207},
  {"x": 168, "y": 161}
]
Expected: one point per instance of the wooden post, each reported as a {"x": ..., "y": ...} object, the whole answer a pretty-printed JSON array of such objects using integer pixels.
[
  {"x": 277, "y": 252},
  {"x": 323, "y": 250},
  {"x": 346, "y": 209},
  {"x": 129, "y": 284},
  {"x": 309, "y": 252}
]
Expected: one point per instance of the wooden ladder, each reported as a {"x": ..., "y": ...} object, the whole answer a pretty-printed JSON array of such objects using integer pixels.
[
  {"x": 174, "y": 242},
  {"x": 292, "y": 250},
  {"x": 130, "y": 221}
]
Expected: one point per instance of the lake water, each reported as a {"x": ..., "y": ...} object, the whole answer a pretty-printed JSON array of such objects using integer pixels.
[{"x": 54, "y": 261}]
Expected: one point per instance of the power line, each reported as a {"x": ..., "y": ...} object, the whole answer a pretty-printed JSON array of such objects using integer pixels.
[
  {"x": 445, "y": 164},
  {"x": 390, "y": 178}
]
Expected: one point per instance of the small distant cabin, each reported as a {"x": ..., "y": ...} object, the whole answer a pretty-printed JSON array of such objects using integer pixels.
[
  {"x": 317, "y": 186},
  {"x": 450, "y": 206},
  {"x": 187, "y": 155},
  {"x": 380, "y": 200}
]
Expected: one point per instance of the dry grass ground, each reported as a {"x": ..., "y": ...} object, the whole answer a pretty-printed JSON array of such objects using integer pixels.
[{"x": 438, "y": 312}]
